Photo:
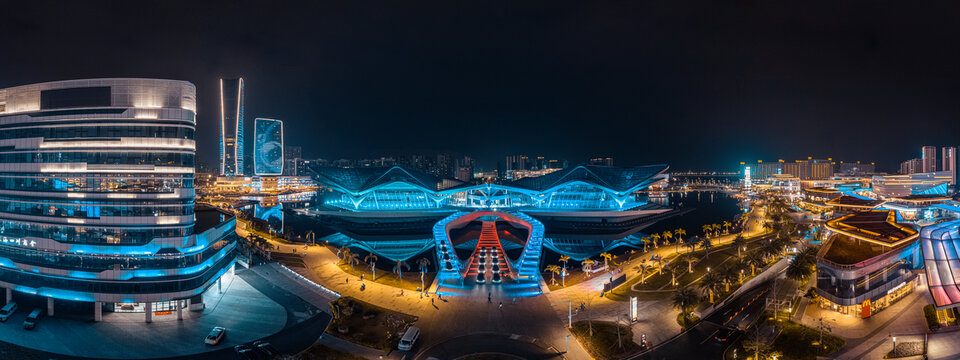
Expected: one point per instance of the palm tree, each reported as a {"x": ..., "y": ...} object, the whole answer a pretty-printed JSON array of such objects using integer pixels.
[
  {"x": 398, "y": 268},
  {"x": 740, "y": 243},
  {"x": 754, "y": 259},
  {"x": 641, "y": 268},
  {"x": 349, "y": 257},
  {"x": 423, "y": 263},
  {"x": 797, "y": 270},
  {"x": 690, "y": 260},
  {"x": 808, "y": 256},
  {"x": 673, "y": 268},
  {"x": 656, "y": 239},
  {"x": 711, "y": 282},
  {"x": 563, "y": 276},
  {"x": 691, "y": 245},
  {"x": 729, "y": 274},
  {"x": 726, "y": 226},
  {"x": 587, "y": 263},
  {"x": 667, "y": 236},
  {"x": 606, "y": 259},
  {"x": 372, "y": 260},
  {"x": 706, "y": 230},
  {"x": 646, "y": 240},
  {"x": 555, "y": 269},
  {"x": 679, "y": 233},
  {"x": 716, "y": 229},
  {"x": 705, "y": 243},
  {"x": 684, "y": 299}
]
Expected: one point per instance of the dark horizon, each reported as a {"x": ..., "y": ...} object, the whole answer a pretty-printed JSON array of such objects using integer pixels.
[{"x": 697, "y": 85}]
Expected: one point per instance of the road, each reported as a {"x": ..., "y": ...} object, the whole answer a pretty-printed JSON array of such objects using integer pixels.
[{"x": 699, "y": 343}]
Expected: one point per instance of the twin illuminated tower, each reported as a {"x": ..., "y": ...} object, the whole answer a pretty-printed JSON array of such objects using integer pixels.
[
  {"x": 231, "y": 127},
  {"x": 268, "y": 135}
]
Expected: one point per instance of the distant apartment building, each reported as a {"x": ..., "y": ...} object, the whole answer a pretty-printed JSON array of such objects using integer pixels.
[
  {"x": 854, "y": 168},
  {"x": 949, "y": 162},
  {"x": 912, "y": 166},
  {"x": 605, "y": 161},
  {"x": 929, "y": 156},
  {"x": 293, "y": 161},
  {"x": 810, "y": 169}
]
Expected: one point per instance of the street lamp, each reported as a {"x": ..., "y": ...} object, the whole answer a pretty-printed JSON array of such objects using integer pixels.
[{"x": 569, "y": 311}]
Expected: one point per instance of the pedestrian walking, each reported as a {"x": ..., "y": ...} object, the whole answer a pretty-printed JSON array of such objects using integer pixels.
[
  {"x": 514, "y": 300},
  {"x": 501, "y": 305},
  {"x": 488, "y": 298},
  {"x": 348, "y": 280},
  {"x": 401, "y": 292},
  {"x": 361, "y": 277},
  {"x": 431, "y": 301}
]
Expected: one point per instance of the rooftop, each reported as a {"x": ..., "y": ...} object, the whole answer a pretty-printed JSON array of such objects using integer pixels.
[
  {"x": 845, "y": 250},
  {"x": 875, "y": 226},
  {"x": 853, "y": 201}
]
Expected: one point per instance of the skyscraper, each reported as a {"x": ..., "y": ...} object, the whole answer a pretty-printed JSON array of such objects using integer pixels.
[
  {"x": 949, "y": 163},
  {"x": 929, "y": 155},
  {"x": 231, "y": 127},
  {"x": 268, "y": 147}
]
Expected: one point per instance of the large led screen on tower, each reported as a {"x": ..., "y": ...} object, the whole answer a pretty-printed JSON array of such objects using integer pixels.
[{"x": 268, "y": 148}]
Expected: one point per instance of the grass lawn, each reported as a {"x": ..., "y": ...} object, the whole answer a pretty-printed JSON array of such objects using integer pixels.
[
  {"x": 796, "y": 342},
  {"x": 603, "y": 344},
  {"x": 368, "y": 325},
  {"x": 410, "y": 281},
  {"x": 321, "y": 352}
]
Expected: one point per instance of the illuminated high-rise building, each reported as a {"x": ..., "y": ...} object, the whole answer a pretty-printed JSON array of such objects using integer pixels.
[
  {"x": 97, "y": 197},
  {"x": 231, "y": 127},
  {"x": 949, "y": 163},
  {"x": 929, "y": 158},
  {"x": 268, "y": 147}
]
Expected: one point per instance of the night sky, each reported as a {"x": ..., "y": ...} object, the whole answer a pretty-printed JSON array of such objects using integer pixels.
[{"x": 696, "y": 84}]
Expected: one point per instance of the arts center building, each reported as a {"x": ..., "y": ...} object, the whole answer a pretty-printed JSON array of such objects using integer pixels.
[
  {"x": 97, "y": 199},
  {"x": 487, "y": 233}
]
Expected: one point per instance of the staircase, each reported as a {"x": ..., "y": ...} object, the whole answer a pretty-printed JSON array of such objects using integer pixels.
[
  {"x": 490, "y": 241},
  {"x": 528, "y": 266}
]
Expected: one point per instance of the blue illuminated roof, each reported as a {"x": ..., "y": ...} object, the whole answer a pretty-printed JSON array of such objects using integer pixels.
[
  {"x": 359, "y": 179},
  {"x": 620, "y": 179}
]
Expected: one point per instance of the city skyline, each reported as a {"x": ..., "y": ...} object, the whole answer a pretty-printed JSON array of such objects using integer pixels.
[{"x": 530, "y": 74}]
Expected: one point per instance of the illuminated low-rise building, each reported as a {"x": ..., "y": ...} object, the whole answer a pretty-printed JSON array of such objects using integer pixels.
[
  {"x": 868, "y": 263},
  {"x": 930, "y": 183},
  {"x": 97, "y": 197}
]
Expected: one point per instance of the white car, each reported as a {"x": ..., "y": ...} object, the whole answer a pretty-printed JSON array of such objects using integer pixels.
[{"x": 215, "y": 336}]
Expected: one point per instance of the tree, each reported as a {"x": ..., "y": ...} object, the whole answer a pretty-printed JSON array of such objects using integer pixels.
[
  {"x": 555, "y": 269},
  {"x": 684, "y": 299},
  {"x": 641, "y": 269},
  {"x": 706, "y": 229},
  {"x": 398, "y": 268},
  {"x": 667, "y": 236},
  {"x": 563, "y": 277},
  {"x": 679, "y": 233},
  {"x": 726, "y": 226},
  {"x": 711, "y": 283},
  {"x": 587, "y": 263},
  {"x": 754, "y": 259},
  {"x": 716, "y": 229},
  {"x": 606, "y": 259},
  {"x": 646, "y": 241},
  {"x": 349, "y": 257},
  {"x": 372, "y": 260},
  {"x": 705, "y": 243},
  {"x": 729, "y": 274},
  {"x": 690, "y": 260},
  {"x": 673, "y": 268},
  {"x": 656, "y": 239},
  {"x": 740, "y": 243},
  {"x": 423, "y": 263}
]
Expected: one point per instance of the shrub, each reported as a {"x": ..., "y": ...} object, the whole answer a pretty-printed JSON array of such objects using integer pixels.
[{"x": 931, "y": 315}]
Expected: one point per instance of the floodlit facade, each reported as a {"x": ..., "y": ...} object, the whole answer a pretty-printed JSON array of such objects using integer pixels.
[
  {"x": 97, "y": 198},
  {"x": 582, "y": 188},
  {"x": 929, "y": 183},
  {"x": 268, "y": 147},
  {"x": 231, "y": 127},
  {"x": 868, "y": 263}
]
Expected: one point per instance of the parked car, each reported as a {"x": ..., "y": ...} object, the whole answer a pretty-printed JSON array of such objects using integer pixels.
[
  {"x": 409, "y": 338},
  {"x": 215, "y": 336},
  {"x": 266, "y": 348},
  {"x": 32, "y": 319},
  {"x": 245, "y": 352},
  {"x": 8, "y": 310}
]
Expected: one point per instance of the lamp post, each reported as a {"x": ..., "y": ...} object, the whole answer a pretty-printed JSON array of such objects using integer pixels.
[{"x": 569, "y": 311}]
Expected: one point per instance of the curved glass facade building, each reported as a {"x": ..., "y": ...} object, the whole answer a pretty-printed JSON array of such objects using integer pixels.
[
  {"x": 97, "y": 198},
  {"x": 268, "y": 147},
  {"x": 231, "y": 127}
]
